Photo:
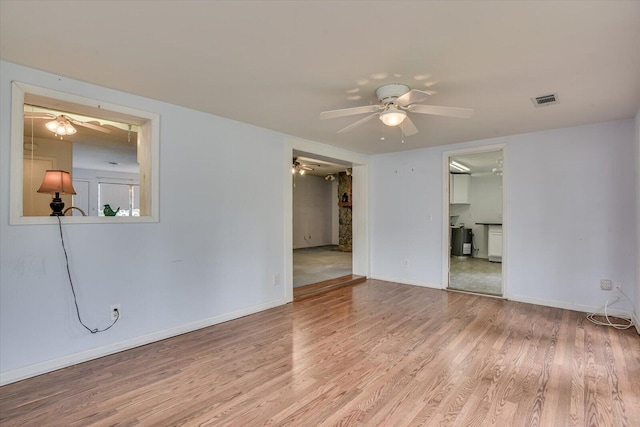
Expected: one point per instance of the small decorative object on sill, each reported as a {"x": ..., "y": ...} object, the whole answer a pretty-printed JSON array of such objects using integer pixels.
[
  {"x": 110, "y": 212},
  {"x": 345, "y": 198}
]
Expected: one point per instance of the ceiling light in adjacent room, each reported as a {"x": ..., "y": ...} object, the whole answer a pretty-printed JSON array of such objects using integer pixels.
[
  {"x": 459, "y": 166},
  {"x": 61, "y": 126}
]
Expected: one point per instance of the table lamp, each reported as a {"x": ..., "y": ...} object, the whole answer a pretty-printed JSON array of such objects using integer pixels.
[{"x": 57, "y": 182}]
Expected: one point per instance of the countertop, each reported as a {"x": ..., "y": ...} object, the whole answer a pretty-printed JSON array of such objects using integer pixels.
[{"x": 488, "y": 223}]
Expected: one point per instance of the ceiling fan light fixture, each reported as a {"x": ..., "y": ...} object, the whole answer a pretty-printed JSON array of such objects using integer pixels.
[
  {"x": 60, "y": 127},
  {"x": 393, "y": 117}
]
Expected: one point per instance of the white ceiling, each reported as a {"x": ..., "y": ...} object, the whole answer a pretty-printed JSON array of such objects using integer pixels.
[{"x": 278, "y": 64}]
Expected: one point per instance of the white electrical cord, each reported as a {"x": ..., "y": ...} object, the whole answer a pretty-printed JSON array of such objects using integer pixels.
[{"x": 608, "y": 322}]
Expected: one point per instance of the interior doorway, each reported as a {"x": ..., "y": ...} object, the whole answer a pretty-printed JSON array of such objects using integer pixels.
[
  {"x": 322, "y": 220},
  {"x": 475, "y": 229}
]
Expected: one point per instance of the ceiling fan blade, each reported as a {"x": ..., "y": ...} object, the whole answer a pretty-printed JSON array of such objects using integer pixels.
[
  {"x": 349, "y": 112},
  {"x": 412, "y": 97},
  {"x": 407, "y": 127},
  {"x": 463, "y": 113},
  {"x": 39, "y": 116},
  {"x": 88, "y": 125},
  {"x": 359, "y": 122}
]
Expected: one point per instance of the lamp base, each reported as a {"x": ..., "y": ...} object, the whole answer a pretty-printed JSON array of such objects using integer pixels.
[{"x": 56, "y": 206}]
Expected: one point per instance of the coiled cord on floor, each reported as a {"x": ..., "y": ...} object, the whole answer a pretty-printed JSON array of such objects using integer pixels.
[{"x": 608, "y": 322}]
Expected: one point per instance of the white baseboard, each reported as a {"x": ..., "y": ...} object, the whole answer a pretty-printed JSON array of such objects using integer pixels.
[
  {"x": 73, "y": 359},
  {"x": 408, "y": 282},
  {"x": 570, "y": 306}
]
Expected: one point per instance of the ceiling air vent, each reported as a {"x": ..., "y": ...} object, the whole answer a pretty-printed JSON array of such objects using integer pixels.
[{"x": 543, "y": 100}]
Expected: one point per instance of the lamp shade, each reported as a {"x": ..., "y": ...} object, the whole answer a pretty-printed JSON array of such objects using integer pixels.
[{"x": 56, "y": 181}]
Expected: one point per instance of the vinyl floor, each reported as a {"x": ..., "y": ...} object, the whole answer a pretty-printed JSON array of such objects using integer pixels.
[
  {"x": 475, "y": 275},
  {"x": 318, "y": 264}
]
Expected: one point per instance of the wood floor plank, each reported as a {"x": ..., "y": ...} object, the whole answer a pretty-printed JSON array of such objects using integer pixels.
[{"x": 376, "y": 353}]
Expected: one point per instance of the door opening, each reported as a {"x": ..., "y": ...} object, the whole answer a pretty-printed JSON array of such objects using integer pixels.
[
  {"x": 474, "y": 215},
  {"x": 322, "y": 220}
]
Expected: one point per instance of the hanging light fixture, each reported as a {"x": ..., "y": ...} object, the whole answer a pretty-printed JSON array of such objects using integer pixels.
[
  {"x": 61, "y": 126},
  {"x": 300, "y": 168},
  {"x": 498, "y": 170},
  {"x": 459, "y": 166},
  {"x": 393, "y": 116}
]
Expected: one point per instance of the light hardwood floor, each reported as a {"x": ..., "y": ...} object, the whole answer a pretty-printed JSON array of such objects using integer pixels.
[{"x": 376, "y": 353}]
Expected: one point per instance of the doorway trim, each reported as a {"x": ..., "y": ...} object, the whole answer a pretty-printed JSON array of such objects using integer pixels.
[
  {"x": 445, "y": 209},
  {"x": 360, "y": 219}
]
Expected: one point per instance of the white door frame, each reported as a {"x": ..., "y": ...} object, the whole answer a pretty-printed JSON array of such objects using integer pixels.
[
  {"x": 360, "y": 215},
  {"x": 445, "y": 209}
]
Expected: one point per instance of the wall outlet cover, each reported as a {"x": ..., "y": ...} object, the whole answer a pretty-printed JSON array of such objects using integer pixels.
[{"x": 112, "y": 312}]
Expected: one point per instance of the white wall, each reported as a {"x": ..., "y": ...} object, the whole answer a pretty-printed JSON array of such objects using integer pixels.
[
  {"x": 313, "y": 206},
  {"x": 406, "y": 217},
  {"x": 212, "y": 256},
  {"x": 570, "y": 217},
  {"x": 637, "y": 288}
]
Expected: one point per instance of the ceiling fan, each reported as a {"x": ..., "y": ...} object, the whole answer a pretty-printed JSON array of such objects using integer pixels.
[
  {"x": 396, "y": 100},
  {"x": 62, "y": 124},
  {"x": 301, "y": 168}
]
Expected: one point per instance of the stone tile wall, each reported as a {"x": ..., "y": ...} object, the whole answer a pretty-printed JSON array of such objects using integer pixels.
[{"x": 345, "y": 213}]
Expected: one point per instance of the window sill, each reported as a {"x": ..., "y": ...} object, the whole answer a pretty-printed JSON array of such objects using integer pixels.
[{"x": 45, "y": 220}]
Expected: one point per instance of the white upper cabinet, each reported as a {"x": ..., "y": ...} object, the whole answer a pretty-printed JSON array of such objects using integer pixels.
[{"x": 459, "y": 186}]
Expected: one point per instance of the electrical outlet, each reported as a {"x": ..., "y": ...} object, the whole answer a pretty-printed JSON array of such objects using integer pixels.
[
  {"x": 406, "y": 263},
  {"x": 276, "y": 279},
  {"x": 115, "y": 312},
  {"x": 606, "y": 284}
]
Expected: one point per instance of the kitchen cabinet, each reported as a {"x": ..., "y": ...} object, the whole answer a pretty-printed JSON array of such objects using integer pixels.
[
  {"x": 459, "y": 186},
  {"x": 495, "y": 243}
]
